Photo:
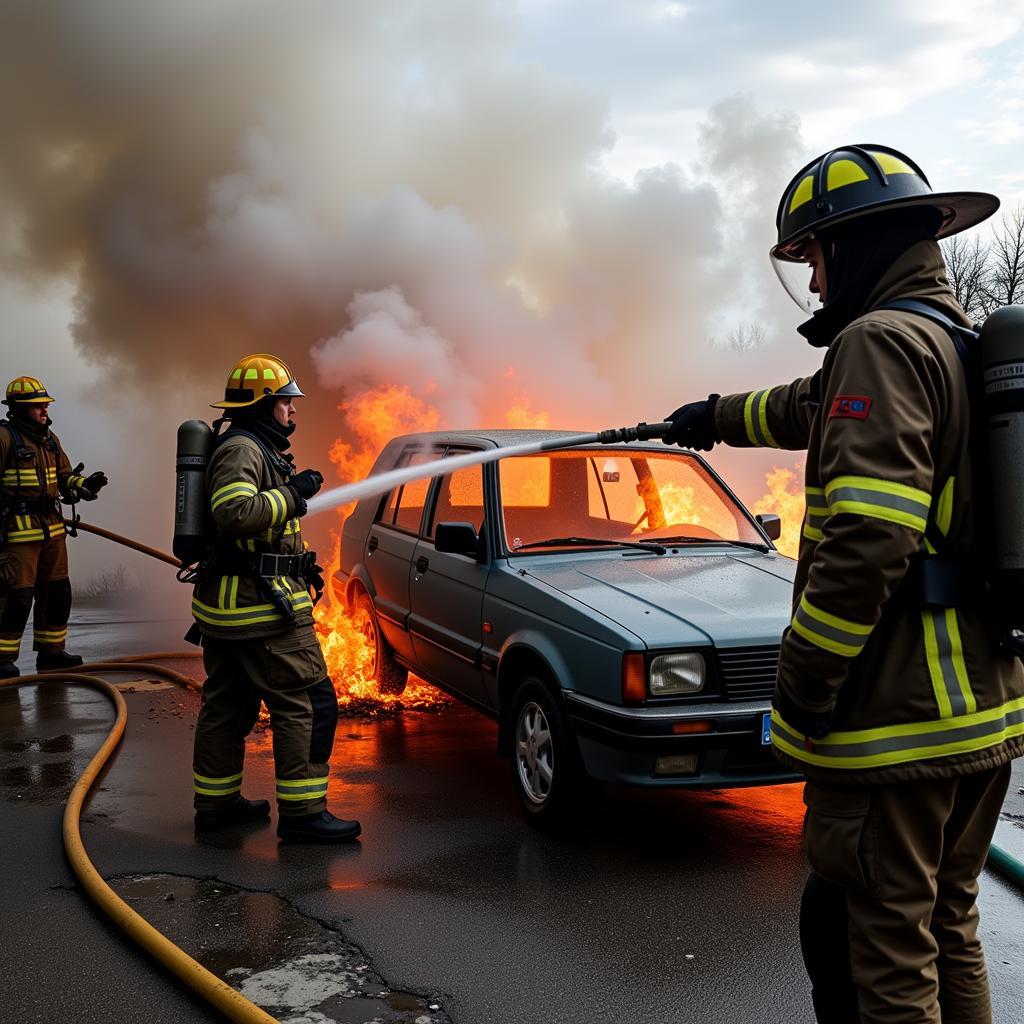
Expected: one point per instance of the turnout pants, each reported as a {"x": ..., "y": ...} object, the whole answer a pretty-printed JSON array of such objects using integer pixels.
[
  {"x": 36, "y": 570},
  {"x": 286, "y": 672},
  {"x": 888, "y": 922}
]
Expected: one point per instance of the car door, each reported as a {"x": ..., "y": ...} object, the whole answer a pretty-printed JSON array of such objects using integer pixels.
[
  {"x": 446, "y": 591},
  {"x": 390, "y": 548}
]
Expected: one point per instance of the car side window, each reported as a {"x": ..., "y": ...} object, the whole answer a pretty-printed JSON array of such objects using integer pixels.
[
  {"x": 404, "y": 507},
  {"x": 460, "y": 499}
]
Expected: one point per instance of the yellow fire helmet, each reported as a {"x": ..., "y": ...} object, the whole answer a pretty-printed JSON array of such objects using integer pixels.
[
  {"x": 257, "y": 377},
  {"x": 27, "y": 391}
]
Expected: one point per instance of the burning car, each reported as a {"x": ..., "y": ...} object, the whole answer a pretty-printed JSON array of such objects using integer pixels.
[{"x": 614, "y": 608}]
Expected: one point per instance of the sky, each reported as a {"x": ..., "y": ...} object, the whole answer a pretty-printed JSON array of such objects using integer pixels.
[{"x": 559, "y": 206}]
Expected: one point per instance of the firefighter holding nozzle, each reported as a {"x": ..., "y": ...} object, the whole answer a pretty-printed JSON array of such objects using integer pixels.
[
  {"x": 253, "y": 609},
  {"x": 899, "y": 695},
  {"x": 36, "y": 476}
]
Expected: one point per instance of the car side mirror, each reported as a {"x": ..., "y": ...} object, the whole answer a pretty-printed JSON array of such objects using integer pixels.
[
  {"x": 457, "y": 539},
  {"x": 771, "y": 524}
]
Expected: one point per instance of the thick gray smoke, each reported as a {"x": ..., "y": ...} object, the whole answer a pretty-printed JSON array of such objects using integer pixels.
[{"x": 382, "y": 194}]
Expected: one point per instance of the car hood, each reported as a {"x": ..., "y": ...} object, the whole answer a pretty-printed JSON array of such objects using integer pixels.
[{"x": 731, "y": 600}]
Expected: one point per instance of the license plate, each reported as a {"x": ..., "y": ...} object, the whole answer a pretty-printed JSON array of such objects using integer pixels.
[{"x": 766, "y": 729}]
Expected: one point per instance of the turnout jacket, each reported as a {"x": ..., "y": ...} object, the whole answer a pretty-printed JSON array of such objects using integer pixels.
[
  {"x": 913, "y": 692},
  {"x": 252, "y": 512},
  {"x": 34, "y": 474}
]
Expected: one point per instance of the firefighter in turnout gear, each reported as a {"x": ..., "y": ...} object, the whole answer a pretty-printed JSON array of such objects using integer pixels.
[
  {"x": 895, "y": 701},
  {"x": 36, "y": 474},
  {"x": 253, "y": 608}
]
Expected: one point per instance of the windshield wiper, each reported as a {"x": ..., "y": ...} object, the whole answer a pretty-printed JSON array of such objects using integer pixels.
[
  {"x": 682, "y": 539},
  {"x": 580, "y": 542}
]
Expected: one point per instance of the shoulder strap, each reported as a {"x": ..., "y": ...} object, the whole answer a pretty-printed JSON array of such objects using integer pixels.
[{"x": 956, "y": 333}]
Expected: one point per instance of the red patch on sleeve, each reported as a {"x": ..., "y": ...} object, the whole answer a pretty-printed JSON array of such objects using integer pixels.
[{"x": 851, "y": 407}]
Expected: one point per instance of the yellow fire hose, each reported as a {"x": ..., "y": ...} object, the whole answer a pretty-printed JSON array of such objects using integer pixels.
[{"x": 208, "y": 986}]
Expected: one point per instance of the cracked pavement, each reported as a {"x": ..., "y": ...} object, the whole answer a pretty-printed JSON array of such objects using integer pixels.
[{"x": 667, "y": 907}]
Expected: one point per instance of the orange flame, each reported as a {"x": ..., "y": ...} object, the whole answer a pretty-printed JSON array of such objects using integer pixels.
[{"x": 786, "y": 499}]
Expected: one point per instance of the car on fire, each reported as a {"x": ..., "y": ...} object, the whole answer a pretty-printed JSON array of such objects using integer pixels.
[{"x": 614, "y": 608}]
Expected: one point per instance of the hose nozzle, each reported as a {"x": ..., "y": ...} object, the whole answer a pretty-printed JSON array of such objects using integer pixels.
[{"x": 641, "y": 432}]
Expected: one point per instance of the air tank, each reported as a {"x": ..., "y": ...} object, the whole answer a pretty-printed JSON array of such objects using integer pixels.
[
  {"x": 191, "y": 507},
  {"x": 1002, "y": 365}
]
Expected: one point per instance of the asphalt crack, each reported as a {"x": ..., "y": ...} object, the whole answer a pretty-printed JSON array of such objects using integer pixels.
[{"x": 299, "y": 967}]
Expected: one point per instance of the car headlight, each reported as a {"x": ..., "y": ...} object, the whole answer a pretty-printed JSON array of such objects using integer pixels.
[{"x": 674, "y": 674}]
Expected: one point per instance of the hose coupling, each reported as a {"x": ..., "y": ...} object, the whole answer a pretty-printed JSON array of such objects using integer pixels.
[{"x": 641, "y": 432}]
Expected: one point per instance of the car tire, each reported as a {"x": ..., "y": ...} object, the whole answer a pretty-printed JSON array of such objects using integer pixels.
[
  {"x": 547, "y": 771},
  {"x": 390, "y": 677}
]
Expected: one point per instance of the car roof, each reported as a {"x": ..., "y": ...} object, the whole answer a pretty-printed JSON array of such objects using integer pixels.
[{"x": 504, "y": 437}]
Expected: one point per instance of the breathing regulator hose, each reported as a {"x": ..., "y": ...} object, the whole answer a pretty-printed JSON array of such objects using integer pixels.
[{"x": 231, "y": 1003}]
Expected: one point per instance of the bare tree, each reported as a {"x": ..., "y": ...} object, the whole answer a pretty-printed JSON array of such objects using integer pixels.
[
  {"x": 967, "y": 267},
  {"x": 1005, "y": 280}
]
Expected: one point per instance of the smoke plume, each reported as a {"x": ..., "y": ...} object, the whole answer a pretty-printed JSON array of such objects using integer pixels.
[{"x": 384, "y": 194}]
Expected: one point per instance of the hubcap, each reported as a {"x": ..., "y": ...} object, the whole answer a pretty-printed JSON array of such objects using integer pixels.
[{"x": 535, "y": 754}]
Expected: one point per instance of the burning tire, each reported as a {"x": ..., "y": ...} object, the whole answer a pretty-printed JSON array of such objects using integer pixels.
[
  {"x": 390, "y": 677},
  {"x": 547, "y": 772}
]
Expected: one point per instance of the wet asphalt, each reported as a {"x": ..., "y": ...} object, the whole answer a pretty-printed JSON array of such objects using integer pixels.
[{"x": 667, "y": 907}]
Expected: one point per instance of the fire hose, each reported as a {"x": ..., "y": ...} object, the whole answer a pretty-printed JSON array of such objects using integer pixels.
[{"x": 231, "y": 1003}]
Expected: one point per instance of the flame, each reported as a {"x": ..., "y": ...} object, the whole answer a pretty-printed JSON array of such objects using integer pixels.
[
  {"x": 786, "y": 499},
  {"x": 373, "y": 418}
]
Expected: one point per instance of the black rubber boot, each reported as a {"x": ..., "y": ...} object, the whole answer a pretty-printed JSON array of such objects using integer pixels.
[
  {"x": 48, "y": 661},
  {"x": 8, "y": 670},
  {"x": 317, "y": 828},
  {"x": 239, "y": 812}
]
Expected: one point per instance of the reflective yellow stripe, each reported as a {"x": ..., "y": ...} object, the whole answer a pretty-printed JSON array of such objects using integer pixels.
[
  {"x": 233, "y": 593},
  {"x": 10, "y": 645},
  {"x": 248, "y": 616},
  {"x": 278, "y": 506},
  {"x": 817, "y": 513},
  {"x": 879, "y": 499},
  {"x": 947, "y": 669},
  {"x": 24, "y": 536},
  {"x": 213, "y": 780},
  {"x": 246, "y": 543},
  {"x": 292, "y": 526},
  {"x": 222, "y": 593},
  {"x": 830, "y": 632},
  {"x": 944, "y": 508},
  {"x": 301, "y": 789},
  {"x": 755, "y": 419},
  {"x": 51, "y": 634},
  {"x": 238, "y": 489},
  {"x": 56, "y": 530},
  {"x": 898, "y": 744}
]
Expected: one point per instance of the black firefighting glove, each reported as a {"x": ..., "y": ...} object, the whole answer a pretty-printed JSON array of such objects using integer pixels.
[
  {"x": 315, "y": 578},
  {"x": 306, "y": 483},
  {"x": 92, "y": 486},
  {"x": 693, "y": 425},
  {"x": 811, "y": 724}
]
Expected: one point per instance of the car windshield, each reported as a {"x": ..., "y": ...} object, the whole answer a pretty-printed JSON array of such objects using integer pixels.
[{"x": 613, "y": 496}]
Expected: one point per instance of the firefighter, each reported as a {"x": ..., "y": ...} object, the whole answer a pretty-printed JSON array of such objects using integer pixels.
[
  {"x": 253, "y": 608},
  {"x": 36, "y": 474},
  {"x": 897, "y": 704}
]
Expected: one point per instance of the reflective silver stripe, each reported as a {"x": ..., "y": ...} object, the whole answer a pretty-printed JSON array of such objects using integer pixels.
[
  {"x": 881, "y": 498},
  {"x": 940, "y": 664}
]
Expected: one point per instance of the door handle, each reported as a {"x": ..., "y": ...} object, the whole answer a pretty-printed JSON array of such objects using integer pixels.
[
  {"x": 422, "y": 564},
  {"x": 374, "y": 541}
]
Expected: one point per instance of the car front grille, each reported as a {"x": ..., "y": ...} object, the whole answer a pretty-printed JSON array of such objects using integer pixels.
[{"x": 749, "y": 672}]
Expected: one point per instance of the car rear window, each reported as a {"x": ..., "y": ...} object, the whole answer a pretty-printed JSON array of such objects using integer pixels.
[
  {"x": 460, "y": 499},
  {"x": 404, "y": 507}
]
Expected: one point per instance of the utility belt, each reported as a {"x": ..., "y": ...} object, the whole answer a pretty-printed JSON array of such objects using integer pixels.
[
  {"x": 266, "y": 568},
  {"x": 265, "y": 564},
  {"x": 40, "y": 505}
]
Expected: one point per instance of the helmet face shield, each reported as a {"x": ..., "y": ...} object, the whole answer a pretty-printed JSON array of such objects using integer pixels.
[{"x": 796, "y": 276}]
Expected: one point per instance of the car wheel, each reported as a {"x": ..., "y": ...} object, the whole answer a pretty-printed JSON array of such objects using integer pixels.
[
  {"x": 390, "y": 677},
  {"x": 546, "y": 768}
]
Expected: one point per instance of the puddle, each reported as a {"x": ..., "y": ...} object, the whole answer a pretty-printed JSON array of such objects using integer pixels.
[{"x": 294, "y": 967}]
